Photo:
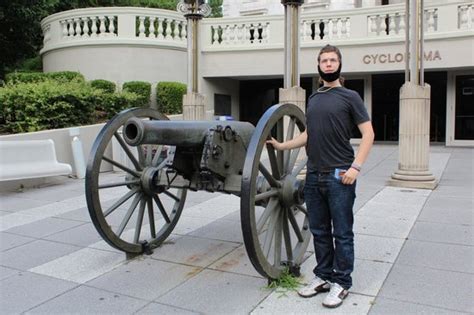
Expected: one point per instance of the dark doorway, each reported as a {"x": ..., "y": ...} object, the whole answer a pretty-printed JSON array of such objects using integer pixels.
[
  {"x": 386, "y": 100},
  {"x": 256, "y": 96},
  {"x": 464, "y": 122}
]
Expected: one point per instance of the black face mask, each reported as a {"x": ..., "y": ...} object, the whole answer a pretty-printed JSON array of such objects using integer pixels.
[{"x": 330, "y": 77}]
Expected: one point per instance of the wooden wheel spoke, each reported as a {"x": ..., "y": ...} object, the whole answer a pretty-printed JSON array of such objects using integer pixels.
[
  {"x": 292, "y": 160},
  {"x": 269, "y": 210},
  {"x": 294, "y": 224},
  {"x": 174, "y": 197},
  {"x": 122, "y": 167},
  {"x": 138, "y": 226},
  {"x": 161, "y": 208},
  {"x": 302, "y": 209},
  {"x": 118, "y": 184},
  {"x": 127, "y": 151},
  {"x": 273, "y": 161},
  {"x": 128, "y": 215},
  {"x": 280, "y": 131},
  {"x": 148, "y": 154},
  {"x": 277, "y": 245},
  {"x": 289, "y": 135},
  {"x": 154, "y": 162},
  {"x": 286, "y": 234},
  {"x": 266, "y": 195},
  {"x": 151, "y": 217},
  {"x": 121, "y": 201},
  {"x": 269, "y": 235},
  {"x": 270, "y": 179},
  {"x": 299, "y": 167}
]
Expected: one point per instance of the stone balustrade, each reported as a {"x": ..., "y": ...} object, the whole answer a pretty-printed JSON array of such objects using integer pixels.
[
  {"x": 114, "y": 25},
  {"x": 156, "y": 27}
]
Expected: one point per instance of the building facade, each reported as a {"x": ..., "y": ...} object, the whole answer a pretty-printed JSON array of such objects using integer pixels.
[{"x": 241, "y": 55}]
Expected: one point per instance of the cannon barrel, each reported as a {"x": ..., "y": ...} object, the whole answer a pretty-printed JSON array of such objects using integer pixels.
[{"x": 179, "y": 133}]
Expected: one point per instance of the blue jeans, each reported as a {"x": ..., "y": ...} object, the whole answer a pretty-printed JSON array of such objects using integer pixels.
[{"x": 329, "y": 203}]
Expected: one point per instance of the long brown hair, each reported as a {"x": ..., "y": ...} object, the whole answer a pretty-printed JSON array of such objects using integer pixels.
[{"x": 326, "y": 49}]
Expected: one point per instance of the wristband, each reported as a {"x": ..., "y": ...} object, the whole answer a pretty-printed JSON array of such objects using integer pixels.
[{"x": 356, "y": 166}]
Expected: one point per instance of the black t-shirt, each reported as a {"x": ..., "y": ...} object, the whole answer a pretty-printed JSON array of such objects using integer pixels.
[{"x": 331, "y": 117}]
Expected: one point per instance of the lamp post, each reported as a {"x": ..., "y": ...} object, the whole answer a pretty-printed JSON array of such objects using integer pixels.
[
  {"x": 414, "y": 131},
  {"x": 292, "y": 92},
  {"x": 193, "y": 101}
]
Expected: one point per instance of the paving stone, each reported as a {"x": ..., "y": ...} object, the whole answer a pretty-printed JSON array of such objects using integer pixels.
[
  {"x": 390, "y": 227},
  {"x": 193, "y": 251},
  {"x": 454, "y": 191},
  {"x": 8, "y": 241},
  {"x": 81, "y": 266},
  {"x": 223, "y": 230},
  {"x": 215, "y": 292},
  {"x": 87, "y": 300},
  {"x": 448, "y": 210},
  {"x": 44, "y": 227},
  {"x": 437, "y": 255},
  {"x": 214, "y": 208},
  {"x": 82, "y": 235},
  {"x": 157, "y": 308},
  {"x": 7, "y": 272},
  {"x": 383, "y": 210},
  {"x": 236, "y": 261},
  {"x": 17, "y": 201},
  {"x": 34, "y": 253},
  {"x": 187, "y": 224},
  {"x": 2, "y": 213},
  {"x": 81, "y": 215},
  {"x": 26, "y": 290},
  {"x": 384, "y": 306},
  {"x": 291, "y": 303},
  {"x": 377, "y": 248},
  {"x": 443, "y": 233},
  {"x": 144, "y": 278},
  {"x": 437, "y": 288}
]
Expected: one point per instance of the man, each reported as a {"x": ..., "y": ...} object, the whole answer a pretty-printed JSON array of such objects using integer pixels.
[{"x": 332, "y": 170}]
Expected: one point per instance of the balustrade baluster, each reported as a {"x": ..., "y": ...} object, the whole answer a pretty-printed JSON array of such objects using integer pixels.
[
  {"x": 160, "y": 28},
  {"x": 215, "y": 38},
  {"x": 86, "y": 28},
  {"x": 326, "y": 29},
  {"x": 226, "y": 38},
  {"x": 152, "y": 28},
  {"x": 247, "y": 33},
  {"x": 168, "y": 29},
  {"x": 343, "y": 27},
  {"x": 175, "y": 30},
  {"x": 401, "y": 25},
  {"x": 64, "y": 28},
  {"x": 77, "y": 28},
  {"x": 266, "y": 32},
  {"x": 111, "y": 25},
  {"x": 391, "y": 24},
  {"x": 336, "y": 30},
  {"x": 184, "y": 31},
  {"x": 463, "y": 18},
  {"x": 101, "y": 25},
  {"x": 93, "y": 26},
  {"x": 348, "y": 28},
  {"x": 141, "y": 26}
]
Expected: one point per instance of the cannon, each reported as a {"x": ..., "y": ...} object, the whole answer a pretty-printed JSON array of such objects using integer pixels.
[{"x": 137, "y": 207}]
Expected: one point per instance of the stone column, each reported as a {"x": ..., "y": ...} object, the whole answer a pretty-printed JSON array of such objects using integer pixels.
[
  {"x": 414, "y": 139},
  {"x": 294, "y": 95},
  {"x": 414, "y": 130}
]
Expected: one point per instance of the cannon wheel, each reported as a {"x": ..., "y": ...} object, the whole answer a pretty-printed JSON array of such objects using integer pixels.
[
  {"x": 122, "y": 205},
  {"x": 274, "y": 220}
]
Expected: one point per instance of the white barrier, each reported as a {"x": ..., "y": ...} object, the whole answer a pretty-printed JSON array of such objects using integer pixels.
[{"x": 26, "y": 159}]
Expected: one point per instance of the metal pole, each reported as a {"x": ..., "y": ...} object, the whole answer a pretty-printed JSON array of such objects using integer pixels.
[
  {"x": 422, "y": 53},
  {"x": 287, "y": 74},
  {"x": 407, "y": 40}
]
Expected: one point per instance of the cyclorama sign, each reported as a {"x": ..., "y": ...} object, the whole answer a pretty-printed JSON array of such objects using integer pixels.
[{"x": 398, "y": 57}]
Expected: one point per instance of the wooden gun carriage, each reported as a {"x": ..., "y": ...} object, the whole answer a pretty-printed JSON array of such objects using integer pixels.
[{"x": 137, "y": 210}]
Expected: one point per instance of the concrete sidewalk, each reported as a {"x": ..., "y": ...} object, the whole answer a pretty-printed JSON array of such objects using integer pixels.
[{"x": 414, "y": 252}]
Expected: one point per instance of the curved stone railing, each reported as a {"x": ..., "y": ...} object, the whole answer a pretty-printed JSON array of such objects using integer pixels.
[{"x": 106, "y": 25}]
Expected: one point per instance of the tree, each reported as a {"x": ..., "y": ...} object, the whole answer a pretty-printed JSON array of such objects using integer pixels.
[{"x": 216, "y": 6}]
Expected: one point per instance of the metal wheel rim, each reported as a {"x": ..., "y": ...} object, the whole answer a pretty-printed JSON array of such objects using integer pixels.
[
  {"x": 248, "y": 214},
  {"x": 94, "y": 203}
]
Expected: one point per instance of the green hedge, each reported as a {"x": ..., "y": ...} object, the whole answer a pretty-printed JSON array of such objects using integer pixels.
[
  {"x": 169, "y": 97},
  {"x": 26, "y": 107},
  {"x": 106, "y": 86},
  {"x": 32, "y": 77},
  {"x": 142, "y": 89}
]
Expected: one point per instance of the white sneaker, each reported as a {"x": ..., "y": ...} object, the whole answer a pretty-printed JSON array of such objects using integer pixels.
[
  {"x": 314, "y": 287},
  {"x": 335, "y": 296}
]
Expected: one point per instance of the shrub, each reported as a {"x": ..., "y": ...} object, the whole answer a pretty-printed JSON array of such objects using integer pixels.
[
  {"x": 34, "y": 77},
  {"x": 27, "y": 107},
  {"x": 142, "y": 89},
  {"x": 169, "y": 96},
  {"x": 106, "y": 86},
  {"x": 32, "y": 64}
]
